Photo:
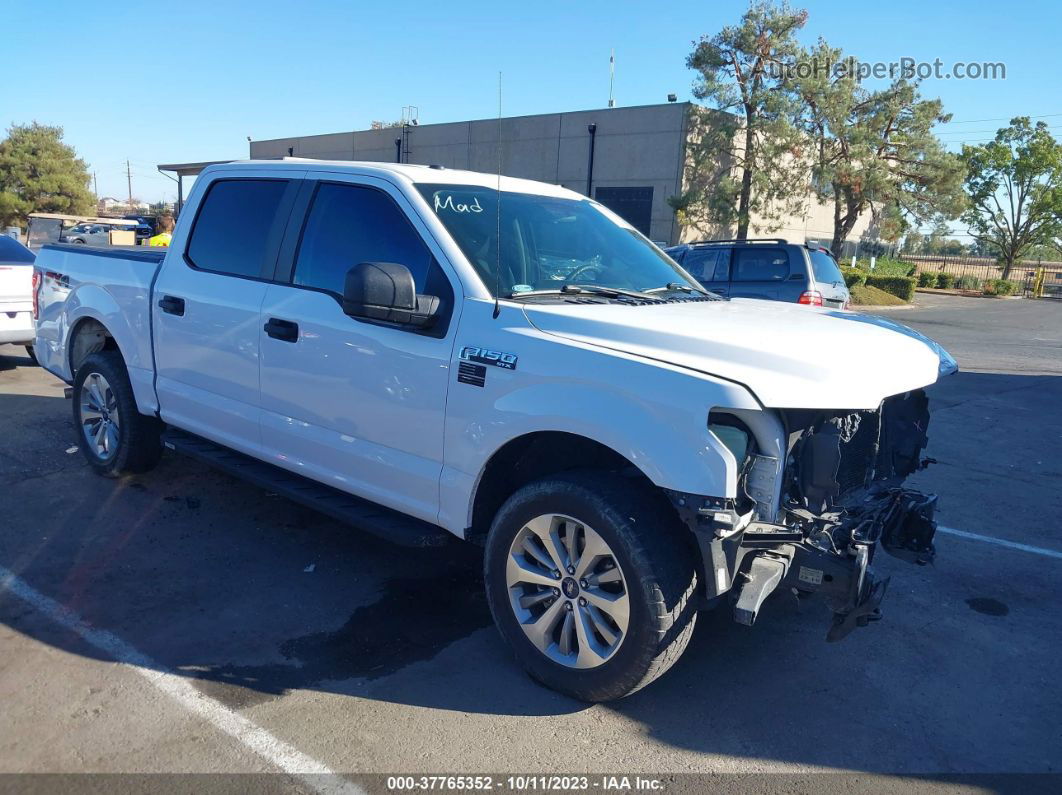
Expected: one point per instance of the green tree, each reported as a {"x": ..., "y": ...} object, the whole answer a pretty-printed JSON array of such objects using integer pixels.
[
  {"x": 39, "y": 173},
  {"x": 1015, "y": 187},
  {"x": 874, "y": 149},
  {"x": 912, "y": 243},
  {"x": 745, "y": 160}
]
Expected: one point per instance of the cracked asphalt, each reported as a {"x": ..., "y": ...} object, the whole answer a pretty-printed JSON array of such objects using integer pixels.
[{"x": 380, "y": 659}]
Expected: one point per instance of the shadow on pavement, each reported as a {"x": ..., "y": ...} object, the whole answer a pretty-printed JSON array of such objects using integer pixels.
[{"x": 253, "y": 596}]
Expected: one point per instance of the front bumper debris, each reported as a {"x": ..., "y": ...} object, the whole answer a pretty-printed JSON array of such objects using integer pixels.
[
  {"x": 831, "y": 557},
  {"x": 842, "y": 497}
]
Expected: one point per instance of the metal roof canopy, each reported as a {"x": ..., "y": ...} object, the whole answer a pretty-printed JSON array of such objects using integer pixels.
[
  {"x": 85, "y": 219},
  {"x": 183, "y": 170},
  {"x": 189, "y": 169}
]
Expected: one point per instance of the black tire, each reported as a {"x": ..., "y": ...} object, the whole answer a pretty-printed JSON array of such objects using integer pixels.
[
  {"x": 657, "y": 560},
  {"x": 31, "y": 354},
  {"x": 139, "y": 444}
]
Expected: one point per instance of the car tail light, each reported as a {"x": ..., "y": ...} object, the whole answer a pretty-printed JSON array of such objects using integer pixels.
[
  {"x": 36, "y": 287},
  {"x": 811, "y": 298}
]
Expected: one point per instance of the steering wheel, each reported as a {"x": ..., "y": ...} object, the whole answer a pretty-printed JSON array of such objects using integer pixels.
[{"x": 588, "y": 266}]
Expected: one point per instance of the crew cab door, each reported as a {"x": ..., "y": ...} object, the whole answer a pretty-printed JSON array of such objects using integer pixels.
[
  {"x": 207, "y": 301},
  {"x": 356, "y": 404}
]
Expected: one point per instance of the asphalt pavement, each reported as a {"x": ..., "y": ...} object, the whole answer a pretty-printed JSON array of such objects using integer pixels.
[{"x": 181, "y": 621}]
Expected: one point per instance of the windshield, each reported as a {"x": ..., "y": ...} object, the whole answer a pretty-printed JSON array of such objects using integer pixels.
[
  {"x": 824, "y": 266},
  {"x": 549, "y": 242}
]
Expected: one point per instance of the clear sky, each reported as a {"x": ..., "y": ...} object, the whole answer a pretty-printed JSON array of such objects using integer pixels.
[{"x": 194, "y": 83}]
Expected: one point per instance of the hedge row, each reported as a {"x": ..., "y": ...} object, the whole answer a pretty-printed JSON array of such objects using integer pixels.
[
  {"x": 853, "y": 276},
  {"x": 900, "y": 286}
]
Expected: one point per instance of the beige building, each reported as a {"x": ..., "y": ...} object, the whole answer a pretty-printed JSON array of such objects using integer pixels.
[{"x": 630, "y": 159}]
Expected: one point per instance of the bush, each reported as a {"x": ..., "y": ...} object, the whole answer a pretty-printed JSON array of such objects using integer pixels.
[
  {"x": 1000, "y": 287},
  {"x": 853, "y": 276},
  {"x": 885, "y": 266},
  {"x": 901, "y": 286},
  {"x": 945, "y": 281},
  {"x": 863, "y": 295},
  {"x": 927, "y": 279},
  {"x": 968, "y": 283}
]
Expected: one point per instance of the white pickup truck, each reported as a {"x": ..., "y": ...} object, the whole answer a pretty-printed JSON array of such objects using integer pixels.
[
  {"x": 428, "y": 353},
  {"x": 16, "y": 290}
]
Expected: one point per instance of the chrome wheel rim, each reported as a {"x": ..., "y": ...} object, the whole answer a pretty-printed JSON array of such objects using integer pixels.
[
  {"x": 99, "y": 416},
  {"x": 567, "y": 591}
]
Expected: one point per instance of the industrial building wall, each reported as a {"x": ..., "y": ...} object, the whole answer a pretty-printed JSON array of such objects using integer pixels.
[{"x": 637, "y": 157}]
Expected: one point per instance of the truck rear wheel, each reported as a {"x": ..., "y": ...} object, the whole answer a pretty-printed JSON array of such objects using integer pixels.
[
  {"x": 113, "y": 436},
  {"x": 591, "y": 583}
]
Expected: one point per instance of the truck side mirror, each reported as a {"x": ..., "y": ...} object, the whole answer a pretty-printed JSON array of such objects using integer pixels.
[{"x": 385, "y": 291}]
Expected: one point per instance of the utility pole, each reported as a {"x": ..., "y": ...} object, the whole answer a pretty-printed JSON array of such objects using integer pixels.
[
  {"x": 95, "y": 187},
  {"x": 611, "y": 78},
  {"x": 129, "y": 182}
]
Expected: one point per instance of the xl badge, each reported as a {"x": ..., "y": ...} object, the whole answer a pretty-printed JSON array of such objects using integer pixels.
[{"x": 470, "y": 353}]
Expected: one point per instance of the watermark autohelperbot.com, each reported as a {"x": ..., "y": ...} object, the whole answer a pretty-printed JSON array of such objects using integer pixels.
[{"x": 905, "y": 68}]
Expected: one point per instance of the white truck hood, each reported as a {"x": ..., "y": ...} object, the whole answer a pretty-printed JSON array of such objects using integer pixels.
[{"x": 788, "y": 355}]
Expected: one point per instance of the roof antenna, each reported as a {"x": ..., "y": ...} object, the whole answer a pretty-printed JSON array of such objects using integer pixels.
[{"x": 497, "y": 258}]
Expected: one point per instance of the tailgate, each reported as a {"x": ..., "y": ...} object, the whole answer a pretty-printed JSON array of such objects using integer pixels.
[{"x": 16, "y": 284}]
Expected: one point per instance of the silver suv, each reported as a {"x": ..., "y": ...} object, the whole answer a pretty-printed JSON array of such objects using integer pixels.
[{"x": 771, "y": 269}]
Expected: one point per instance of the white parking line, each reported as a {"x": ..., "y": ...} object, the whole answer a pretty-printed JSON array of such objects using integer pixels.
[
  {"x": 1049, "y": 553},
  {"x": 314, "y": 774}
]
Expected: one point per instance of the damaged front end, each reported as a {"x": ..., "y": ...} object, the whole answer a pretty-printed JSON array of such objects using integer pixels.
[{"x": 840, "y": 495}]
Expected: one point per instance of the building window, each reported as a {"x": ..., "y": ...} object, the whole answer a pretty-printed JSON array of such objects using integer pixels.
[{"x": 634, "y": 205}]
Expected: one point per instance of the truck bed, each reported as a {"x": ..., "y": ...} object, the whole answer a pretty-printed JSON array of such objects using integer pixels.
[{"x": 111, "y": 286}]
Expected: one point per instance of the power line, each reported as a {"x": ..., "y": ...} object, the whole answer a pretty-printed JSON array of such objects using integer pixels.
[
  {"x": 1005, "y": 118},
  {"x": 979, "y": 132}
]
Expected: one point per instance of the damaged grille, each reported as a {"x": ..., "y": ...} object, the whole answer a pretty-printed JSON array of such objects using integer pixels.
[
  {"x": 858, "y": 453},
  {"x": 838, "y": 454}
]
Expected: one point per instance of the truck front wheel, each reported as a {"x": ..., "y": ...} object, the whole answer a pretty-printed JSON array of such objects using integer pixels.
[
  {"x": 592, "y": 583},
  {"x": 113, "y": 436}
]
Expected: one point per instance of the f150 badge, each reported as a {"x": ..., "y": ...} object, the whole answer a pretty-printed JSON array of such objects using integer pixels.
[
  {"x": 471, "y": 369},
  {"x": 470, "y": 353}
]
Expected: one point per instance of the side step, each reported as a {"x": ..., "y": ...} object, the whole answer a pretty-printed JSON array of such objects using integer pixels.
[{"x": 368, "y": 516}]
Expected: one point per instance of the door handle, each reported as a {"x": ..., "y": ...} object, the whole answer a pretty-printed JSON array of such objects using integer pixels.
[
  {"x": 172, "y": 305},
  {"x": 283, "y": 330}
]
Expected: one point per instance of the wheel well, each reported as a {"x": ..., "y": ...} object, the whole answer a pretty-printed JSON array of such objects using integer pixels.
[
  {"x": 535, "y": 456},
  {"x": 89, "y": 336}
]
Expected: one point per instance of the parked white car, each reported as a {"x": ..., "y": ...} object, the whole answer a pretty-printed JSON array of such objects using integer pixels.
[
  {"x": 429, "y": 353},
  {"x": 16, "y": 294}
]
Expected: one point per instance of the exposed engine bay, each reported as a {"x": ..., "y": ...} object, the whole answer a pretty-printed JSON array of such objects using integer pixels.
[{"x": 841, "y": 494}]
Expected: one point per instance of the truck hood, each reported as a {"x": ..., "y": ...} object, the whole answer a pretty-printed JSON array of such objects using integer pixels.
[{"x": 787, "y": 355}]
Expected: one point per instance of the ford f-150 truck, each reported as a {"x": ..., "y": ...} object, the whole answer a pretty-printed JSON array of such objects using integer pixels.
[{"x": 428, "y": 353}]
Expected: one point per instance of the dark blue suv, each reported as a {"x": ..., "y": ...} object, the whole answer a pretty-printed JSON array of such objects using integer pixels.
[{"x": 771, "y": 269}]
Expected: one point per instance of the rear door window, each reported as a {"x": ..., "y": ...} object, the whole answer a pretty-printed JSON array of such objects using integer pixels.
[
  {"x": 708, "y": 265},
  {"x": 754, "y": 264},
  {"x": 232, "y": 232}
]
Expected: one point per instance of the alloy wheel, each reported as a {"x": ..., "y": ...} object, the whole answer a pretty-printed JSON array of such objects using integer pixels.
[
  {"x": 99, "y": 416},
  {"x": 567, "y": 591}
]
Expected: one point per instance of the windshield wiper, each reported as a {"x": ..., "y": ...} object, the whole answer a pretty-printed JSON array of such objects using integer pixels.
[
  {"x": 592, "y": 289},
  {"x": 676, "y": 287}
]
